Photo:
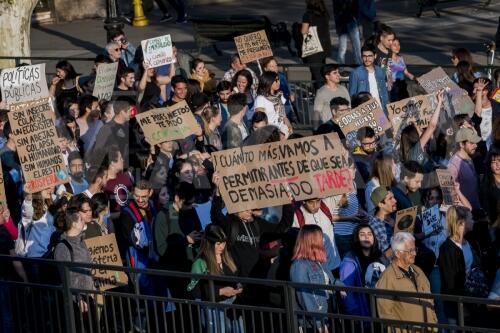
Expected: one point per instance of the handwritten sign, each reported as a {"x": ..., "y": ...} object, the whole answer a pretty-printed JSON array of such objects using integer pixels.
[
  {"x": 105, "y": 81},
  {"x": 158, "y": 51},
  {"x": 458, "y": 100},
  {"x": 431, "y": 217},
  {"x": 168, "y": 124},
  {"x": 259, "y": 176},
  {"x": 104, "y": 251},
  {"x": 405, "y": 220},
  {"x": 23, "y": 84},
  {"x": 367, "y": 114},
  {"x": 36, "y": 141},
  {"x": 447, "y": 185},
  {"x": 417, "y": 110},
  {"x": 3, "y": 198},
  {"x": 253, "y": 46}
]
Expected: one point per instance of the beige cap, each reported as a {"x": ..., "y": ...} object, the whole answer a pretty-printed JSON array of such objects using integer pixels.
[{"x": 467, "y": 134}]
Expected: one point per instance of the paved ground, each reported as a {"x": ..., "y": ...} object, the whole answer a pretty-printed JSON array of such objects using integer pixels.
[{"x": 425, "y": 40}]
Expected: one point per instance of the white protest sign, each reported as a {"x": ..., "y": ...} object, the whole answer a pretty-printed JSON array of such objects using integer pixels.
[
  {"x": 158, "y": 51},
  {"x": 105, "y": 81},
  {"x": 23, "y": 84}
]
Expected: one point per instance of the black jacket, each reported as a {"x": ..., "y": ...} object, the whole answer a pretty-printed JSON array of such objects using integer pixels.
[
  {"x": 452, "y": 269},
  {"x": 244, "y": 237}
]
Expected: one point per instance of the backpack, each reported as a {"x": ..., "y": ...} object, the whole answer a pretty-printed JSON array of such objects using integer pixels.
[
  {"x": 323, "y": 207},
  {"x": 49, "y": 274}
]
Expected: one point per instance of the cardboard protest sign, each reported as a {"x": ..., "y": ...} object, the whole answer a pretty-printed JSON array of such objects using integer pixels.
[
  {"x": 166, "y": 124},
  {"x": 253, "y": 46},
  {"x": 447, "y": 185},
  {"x": 158, "y": 51},
  {"x": 23, "y": 84},
  {"x": 105, "y": 81},
  {"x": 367, "y": 114},
  {"x": 104, "y": 251},
  {"x": 36, "y": 141},
  {"x": 417, "y": 110},
  {"x": 432, "y": 217},
  {"x": 458, "y": 101},
  {"x": 259, "y": 176},
  {"x": 3, "y": 198},
  {"x": 496, "y": 95},
  {"x": 405, "y": 219}
]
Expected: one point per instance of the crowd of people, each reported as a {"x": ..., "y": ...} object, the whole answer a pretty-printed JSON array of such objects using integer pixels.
[{"x": 164, "y": 206}]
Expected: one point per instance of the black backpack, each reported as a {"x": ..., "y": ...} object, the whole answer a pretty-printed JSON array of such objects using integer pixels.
[{"x": 49, "y": 274}]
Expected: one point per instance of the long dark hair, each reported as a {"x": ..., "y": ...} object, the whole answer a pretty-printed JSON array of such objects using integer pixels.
[
  {"x": 409, "y": 137},
  {"x": 375, "y": 252},
  {"x": 265, "y": 83},
  {"x": 489, "y": 178},
  {"x": 68, "y": 68},
  {"x": 247, "y": 75},
  {"x": 318, "y": 7}
]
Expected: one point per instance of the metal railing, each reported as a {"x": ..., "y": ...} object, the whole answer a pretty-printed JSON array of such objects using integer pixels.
[{"x": 37, "y": 307}]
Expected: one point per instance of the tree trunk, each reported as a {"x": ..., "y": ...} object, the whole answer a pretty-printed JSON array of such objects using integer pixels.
[{"x": 15, "y": 25}]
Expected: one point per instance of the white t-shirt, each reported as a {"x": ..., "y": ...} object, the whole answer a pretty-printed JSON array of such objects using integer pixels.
[
  {"x": 485, "y": 126},
  {"x": 372, "y": 83},
  {"x": 273, "y": 117}
]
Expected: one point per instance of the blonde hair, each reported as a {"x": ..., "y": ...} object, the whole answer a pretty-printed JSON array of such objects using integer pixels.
[
  {"x": 455, "y": 216},
  {"x": 207, "y": 115}
]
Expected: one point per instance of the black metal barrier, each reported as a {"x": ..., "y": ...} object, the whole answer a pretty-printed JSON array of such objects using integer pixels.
[{"x": 37, "y": 307}]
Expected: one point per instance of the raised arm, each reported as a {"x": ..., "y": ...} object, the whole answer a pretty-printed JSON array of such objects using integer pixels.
[{"x": 429, "y": 131}]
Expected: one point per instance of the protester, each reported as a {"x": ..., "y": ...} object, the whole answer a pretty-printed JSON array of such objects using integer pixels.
[
  {"x": 399, "y": 72},
  {"x": 483, "y": 111},
  {"x": 316, "y": 15},
  {"x": 64, "y": 84},
  {"x": 354, "y": 267},
  {"x": 462, "y": 54},
  {"x": 150, "y": 87},
  {"x": 215, "y": 259},
  {"x": 365, "y": 153},
  {"x": 223, "y": 90},
  {"x": 236, "y": 66},
  {"x": 331, "y": 89},
  {"x": 308, "y": 266},
  {"x": 127, "y": 49},
  {"x": 490, "y": 186},
  {"x": 369, "y": 78},
  {"x": 179, "y": 87},
  {"x": 235, "y": 130},
  {"x": 89, "y": 122},
  {"x": 338, "y": 107},
  {"x": 212, "y": 120},
  {"x": 404, "y": 275},
  {"x": 201, "y": 74},
  {"x": 380, "y": 221},
  {"x": 382, "y": 174},
  {"x": 383, "y": 43}
]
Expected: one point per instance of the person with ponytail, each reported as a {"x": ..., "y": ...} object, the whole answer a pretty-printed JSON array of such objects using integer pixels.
[
  {"x": 215, "y": 259},
  {"x": 212, "y": 120},
  {"x": 455, "y": 257}
]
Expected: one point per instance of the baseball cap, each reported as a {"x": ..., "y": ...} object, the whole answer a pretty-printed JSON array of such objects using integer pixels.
[
  {"x": 379, "y": 194},
  {"x": 467, "y": 134}
]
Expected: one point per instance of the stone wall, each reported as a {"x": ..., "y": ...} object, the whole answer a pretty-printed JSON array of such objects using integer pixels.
[{"x": 69, "y": 10}]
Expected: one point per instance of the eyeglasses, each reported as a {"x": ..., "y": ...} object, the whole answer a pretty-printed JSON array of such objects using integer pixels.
[
  {"x": 413, "y": 251},
  {"x": 116, "y": 50},
  {"x": 121, "y": 40},
  {"x": 368, "y": 144}
]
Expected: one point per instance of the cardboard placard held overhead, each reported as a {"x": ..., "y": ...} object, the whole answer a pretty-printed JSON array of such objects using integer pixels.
[
  {"x": 167, "y": 124},
  {"x": 253, "y": 46},
  {"x": 259, "y": 176},
  {"x": 158, "y": 51},
  {"x": 447, "y": 185},
  {"x": 367, "y": 114},
  {"x": 36, "y": 141},
  {"x": 405, "y": 219},
  {"x": 417, "y": 110},
  {"x": 23, "y": 84},
  {"x": 458, "y": 101},
  {"x": 104, "y": 251},
  {"x": 105, "y": 81},
  {"x": 3, "y": 198}
]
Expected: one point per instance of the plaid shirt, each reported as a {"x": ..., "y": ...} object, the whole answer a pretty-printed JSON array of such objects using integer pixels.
[{"x": 382, "y": 232}]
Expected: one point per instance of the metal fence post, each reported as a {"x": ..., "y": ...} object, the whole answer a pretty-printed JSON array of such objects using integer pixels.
[
  {"x": 67, "y": 298},
  {"x": 291, "y": 319}
]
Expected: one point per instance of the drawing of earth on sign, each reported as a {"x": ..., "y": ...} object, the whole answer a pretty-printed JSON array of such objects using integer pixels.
[{"x": 405, "y": 222}]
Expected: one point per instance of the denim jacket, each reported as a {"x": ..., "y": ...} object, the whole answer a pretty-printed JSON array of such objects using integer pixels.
[
  {"x": 358, "y": 82},
  {"x": 311, "y": 300}
]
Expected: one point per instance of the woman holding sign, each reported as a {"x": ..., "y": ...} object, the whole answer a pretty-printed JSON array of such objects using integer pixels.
[{"x": 152, "y": 87}]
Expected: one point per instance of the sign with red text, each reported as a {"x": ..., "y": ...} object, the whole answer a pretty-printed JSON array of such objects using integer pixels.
[
  {"x": 253, "y": 46},
  {"x": 259, "y": 176},
  {"x": 23, "y": 84},
  {"x": 167, "y": 124},
  {"x": 104, "y": 251},
  {"x": 37, "y": 144},
  {"x": 158, "y": 51}
]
